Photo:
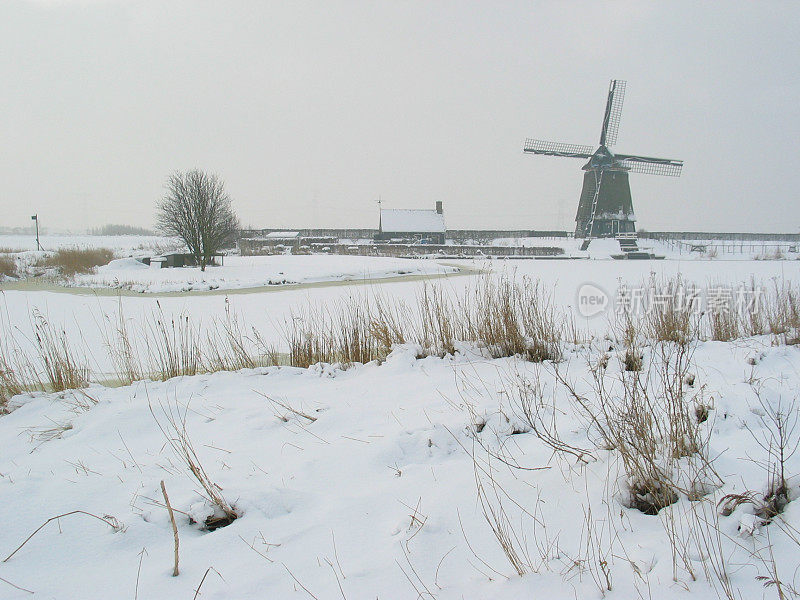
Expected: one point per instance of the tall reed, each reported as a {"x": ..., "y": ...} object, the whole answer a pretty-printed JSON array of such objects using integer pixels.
[
  {"x": 63, "y": 368},
  {"x": 173, "y": 345}
]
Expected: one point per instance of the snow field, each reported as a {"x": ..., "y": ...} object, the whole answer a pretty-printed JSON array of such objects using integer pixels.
[
  {"x": 254, "y": 271},
  {"x": 388, "y": 491},
  {"x": 377, "y": 495}
]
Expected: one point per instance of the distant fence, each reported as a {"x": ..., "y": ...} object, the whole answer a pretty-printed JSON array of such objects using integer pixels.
[
  {"x": 724, "y": 236},
  {"x": 453, "y": 234},
  {"x": 260, "y": 247},
  {"x": 758, "y": 249},
  {"x": 348, "y": 234},
  {"x": 486, "y": 235}
]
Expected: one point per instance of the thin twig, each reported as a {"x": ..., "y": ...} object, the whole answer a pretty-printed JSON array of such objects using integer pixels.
[
  {"x": 113, "y": 524},
  {"x": 297, "y": 581},
  {"x": 336, "y": 555},
  {"x": 197, "y": 591},
  {"x": 129, "y": 451},
  {"x": 287, "y": 407},
  {"x": 138, "y": 573},
  {"x": 174, "y": 526},
  {"x": 335, "y": 574},
  {"x": 15, "y": 586}
]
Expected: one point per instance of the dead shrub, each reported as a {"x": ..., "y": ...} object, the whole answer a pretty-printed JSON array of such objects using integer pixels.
[
  {"x": 528, "y": 404},
  {"x": 778, "y": 438},
  {"x": 646, "y": 418},
  {"x": 72, "y": 261},
  {"x": 178, "y": 438}
]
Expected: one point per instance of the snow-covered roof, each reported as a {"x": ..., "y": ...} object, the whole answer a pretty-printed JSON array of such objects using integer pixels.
[
  {"x": 411, "y": 220},
  {"x": 281, "y": 235}
]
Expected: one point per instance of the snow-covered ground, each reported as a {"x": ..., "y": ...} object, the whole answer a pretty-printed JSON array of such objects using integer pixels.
[
  {"x": 378, "y": 495},
  {"x": 85, "y": 316},
  {"x": 254, "y": 271},
  {"x": 383, "y": 494}
]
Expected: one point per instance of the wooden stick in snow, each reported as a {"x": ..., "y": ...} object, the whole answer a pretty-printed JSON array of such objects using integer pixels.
[{"x": 174, "y": 526}]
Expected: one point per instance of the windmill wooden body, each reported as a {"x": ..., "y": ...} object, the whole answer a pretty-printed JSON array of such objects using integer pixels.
[{"x": 605, "y": 208}]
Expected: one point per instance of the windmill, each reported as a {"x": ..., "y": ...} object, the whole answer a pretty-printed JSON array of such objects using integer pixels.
[{"x": 605, "y": 209}]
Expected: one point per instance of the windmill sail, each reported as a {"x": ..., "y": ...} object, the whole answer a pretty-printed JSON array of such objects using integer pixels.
[
  {"x": 605, "y": 208},
  {"x": 616, "y": 96},
  {"x": 650, "y": 165},
  {"x": 557, "y": 149}
]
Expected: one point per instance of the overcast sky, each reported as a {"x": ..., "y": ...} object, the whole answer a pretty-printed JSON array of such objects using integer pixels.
[{"x": 310, "y": 111}]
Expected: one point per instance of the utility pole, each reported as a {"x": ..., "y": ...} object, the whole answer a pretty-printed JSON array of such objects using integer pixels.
[
  {"x": 380, "y": 223},
  {"x": 36, "y": 218}
]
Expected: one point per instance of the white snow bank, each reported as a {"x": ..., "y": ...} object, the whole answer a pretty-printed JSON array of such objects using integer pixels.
[
  {"x": 123, "y": 264},
  {"x": 377, "y": 495}
]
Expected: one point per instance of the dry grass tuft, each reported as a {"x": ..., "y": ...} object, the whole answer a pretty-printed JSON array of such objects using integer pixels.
[
  {"x": 173, "y": 345},
  {"x": 724, "y": 325},
  {"x": 672, "y": 318},
  {"x": 783, "y": 312},
  {"x": 178, "y": 438},
  {"x": 226, "y": 346},
  {"x": 10, "y": 382},
  {"x": 64, "y": 369},
  {"x": 510, "y": 318},
  {"x": 440, "y": 322},
  {"x": 8, "y": 266},
  {"x": 504, "y": 317},
  {"x": 121, "y": 347},
  {"x": 71, "y": 261}
]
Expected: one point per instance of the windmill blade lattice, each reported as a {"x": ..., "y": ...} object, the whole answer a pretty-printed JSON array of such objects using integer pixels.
[
  {"x": 557, "y": 149},
  {"x": 616, "y": 96},
  {"x": 651, "y": 166}
]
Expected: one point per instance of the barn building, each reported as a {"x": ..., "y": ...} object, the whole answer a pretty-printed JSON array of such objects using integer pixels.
[{"x": 412, "y": 225}]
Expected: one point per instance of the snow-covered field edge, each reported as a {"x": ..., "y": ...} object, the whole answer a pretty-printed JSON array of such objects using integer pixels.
[
  {"x": 459, "y": 476},
  {"x": 529, "y": 459}
]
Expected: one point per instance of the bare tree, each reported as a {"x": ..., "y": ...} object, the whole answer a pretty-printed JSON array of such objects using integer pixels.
[{"x": 197, "y": 209}]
